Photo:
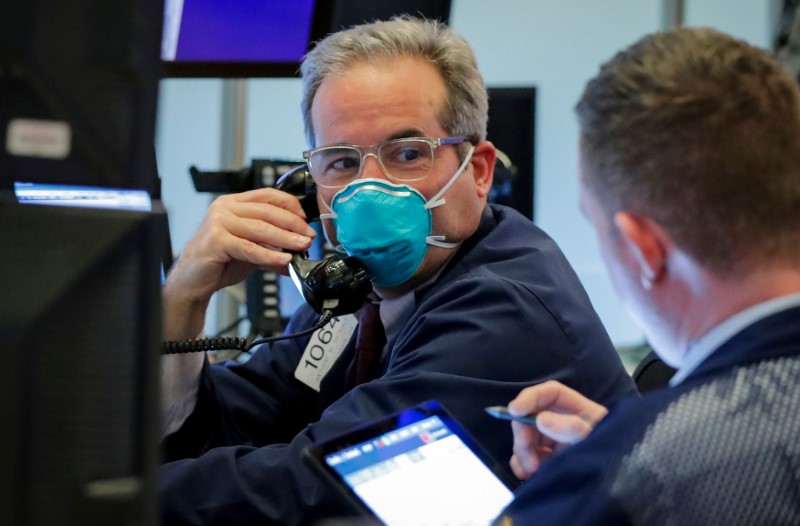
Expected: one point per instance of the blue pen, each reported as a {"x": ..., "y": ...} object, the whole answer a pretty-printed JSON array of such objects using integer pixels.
[{"x": 501, "y": 412}]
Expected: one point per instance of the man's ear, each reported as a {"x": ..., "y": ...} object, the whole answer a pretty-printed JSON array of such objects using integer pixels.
[
  {"x": 647, "y": 242},
  {"x": 483, "y": 159}
]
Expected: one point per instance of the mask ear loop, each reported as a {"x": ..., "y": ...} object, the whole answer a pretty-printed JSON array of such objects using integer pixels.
[
  {"x": 330, "y": 214},
  {"x": 437, "y": 200}
]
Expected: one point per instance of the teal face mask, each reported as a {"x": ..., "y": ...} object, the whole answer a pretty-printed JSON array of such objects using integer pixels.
[{"x": 387, "y": 226}]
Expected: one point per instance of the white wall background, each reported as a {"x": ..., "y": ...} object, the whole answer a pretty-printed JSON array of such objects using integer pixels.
[{"x": 555, "y": 45}]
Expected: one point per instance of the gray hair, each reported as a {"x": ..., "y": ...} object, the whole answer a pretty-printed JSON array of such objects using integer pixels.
[{"x": 467, "y": 107}]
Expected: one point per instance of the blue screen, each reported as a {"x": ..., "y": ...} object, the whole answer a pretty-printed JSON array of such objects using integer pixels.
[{"x": 240, "y": 31}]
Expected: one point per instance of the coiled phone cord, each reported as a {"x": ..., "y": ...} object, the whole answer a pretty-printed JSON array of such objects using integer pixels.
[{"x": 235, "y": 343}]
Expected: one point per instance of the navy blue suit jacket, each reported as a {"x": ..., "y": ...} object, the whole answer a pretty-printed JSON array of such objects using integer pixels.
[
  {"x": 507, "y": 311},
  {"x": 721, "y": 447}
]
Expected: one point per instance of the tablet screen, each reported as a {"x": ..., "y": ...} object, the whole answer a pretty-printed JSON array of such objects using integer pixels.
[{"x": 418, "y": 467}]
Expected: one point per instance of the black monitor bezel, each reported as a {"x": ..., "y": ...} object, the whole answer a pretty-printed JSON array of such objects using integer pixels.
[
  {"x": 320, "y": 27},
  {"x": 328, "y": 16}
]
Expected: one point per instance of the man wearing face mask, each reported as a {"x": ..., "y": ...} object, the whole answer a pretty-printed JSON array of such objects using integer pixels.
[
  {"x": 476, "y": 302},
  {"x": 385, "y": 225}
]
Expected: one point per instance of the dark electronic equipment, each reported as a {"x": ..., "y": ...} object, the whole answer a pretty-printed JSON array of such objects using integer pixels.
[
  {"x": 80, "y": 314},
  {"x": 78, "y": 89},
  {"x": 246, "y": 38},
  {"x": 265, "y": 38},
  {"x": 262, "y": 173},
  {"x": 80, "y": 323},
  {"x": 96, "y": 197},
  {"x": 512, "y": 128},
  {"x": 345, "y": 13}
]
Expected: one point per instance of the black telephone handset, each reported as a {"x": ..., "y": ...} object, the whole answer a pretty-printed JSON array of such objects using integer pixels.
[{"x": 336, "y": 284}]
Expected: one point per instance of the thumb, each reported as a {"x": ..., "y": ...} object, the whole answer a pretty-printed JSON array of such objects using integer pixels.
[{"x": 563, "y": 429}]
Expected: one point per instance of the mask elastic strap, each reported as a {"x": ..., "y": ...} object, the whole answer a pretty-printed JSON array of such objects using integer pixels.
[
  {"x": 439, "y": 241},
  {"x": 331, "y": 214},
  {"x": 435, "y": 200}
]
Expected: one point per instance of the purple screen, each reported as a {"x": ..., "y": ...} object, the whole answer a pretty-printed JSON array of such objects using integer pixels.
[{"x": 240, "y": 30}]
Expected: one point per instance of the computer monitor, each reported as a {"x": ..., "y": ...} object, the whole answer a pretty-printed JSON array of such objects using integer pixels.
[
  {"x": 265, "y": 38},
  {"x": 78, "y": 91},
  {"x": 98, "y": 197},
  {"x": 80, "y": 320},
  {"x": 512, "y": 129},
  {"x": 80, "y": 327},
  {"x": 247, "y": 38}
]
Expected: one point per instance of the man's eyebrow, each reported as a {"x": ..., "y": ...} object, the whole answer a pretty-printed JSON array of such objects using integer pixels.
[{"x": 408, "y": 132}]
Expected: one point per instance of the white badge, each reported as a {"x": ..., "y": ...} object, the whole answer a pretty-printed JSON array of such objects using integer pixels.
[{"x": 323, "y": 349}]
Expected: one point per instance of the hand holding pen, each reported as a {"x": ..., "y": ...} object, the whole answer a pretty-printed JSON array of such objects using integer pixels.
[{"x": 561, "y": 417}]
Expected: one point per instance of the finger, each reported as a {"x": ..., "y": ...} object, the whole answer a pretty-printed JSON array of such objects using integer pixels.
[
  {"x": 519, "y": 471},
  {"x": 526, "y": 435},
  {"x": 269, "y": 205},
  {"x": 274, "y": 215},
  {"x": 261, "y": 223},
  {"x": 526, "y": 462},
  {"x": 215, "y": 244},
  {"x": 528, "y": 438},
  {"x": 554, "y": 396},
  {"x": 561, "y": 428},
  {"x": 270, "y": 196},
  {"x": 265, "y": 258},
  {"x": 265, "y": 234},
  {"x": 528, "y": 443}
]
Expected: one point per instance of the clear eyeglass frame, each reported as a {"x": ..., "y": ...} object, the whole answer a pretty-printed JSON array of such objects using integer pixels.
[{"x": 403, "y": 160}]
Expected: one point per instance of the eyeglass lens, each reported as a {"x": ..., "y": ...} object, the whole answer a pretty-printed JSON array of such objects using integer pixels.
[{"x": 403, "y": 159}]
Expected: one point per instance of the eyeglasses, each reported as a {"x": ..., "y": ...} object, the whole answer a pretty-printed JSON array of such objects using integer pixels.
[{"x": 406, "y": 159}]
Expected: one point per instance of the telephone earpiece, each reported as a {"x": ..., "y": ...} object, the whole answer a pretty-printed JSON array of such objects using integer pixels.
[
  {"x": 337, "y": 284},
  {"x": 299, "y": 183}
]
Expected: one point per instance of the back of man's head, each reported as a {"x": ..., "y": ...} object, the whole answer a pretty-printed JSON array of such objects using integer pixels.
[
  {"x": 467, "y": 108},
  {"x": 700, "y": 132}
]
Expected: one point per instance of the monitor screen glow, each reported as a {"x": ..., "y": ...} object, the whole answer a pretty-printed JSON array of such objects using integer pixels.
[
  {"x": 82, "y": 196},
  {"x": 246, "y": 33}
]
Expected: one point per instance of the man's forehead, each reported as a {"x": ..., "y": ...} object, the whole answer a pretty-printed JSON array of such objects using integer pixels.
[{"x": 371, "y": 105}]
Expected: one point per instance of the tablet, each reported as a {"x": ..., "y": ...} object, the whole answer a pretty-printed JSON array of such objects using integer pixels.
[{"x": 418, "y": 466}]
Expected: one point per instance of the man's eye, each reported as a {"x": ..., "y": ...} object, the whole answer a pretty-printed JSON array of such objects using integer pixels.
[
  {"x": 344, "y": 163},
  {"x": 408, "y": 155}
]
